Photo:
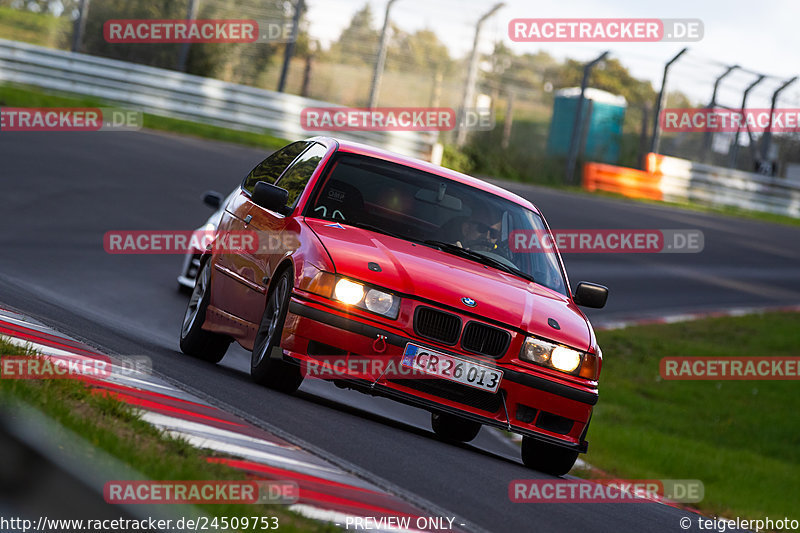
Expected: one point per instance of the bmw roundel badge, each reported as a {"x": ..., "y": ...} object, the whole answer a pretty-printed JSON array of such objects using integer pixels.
[{"x": 469, "y": 302}]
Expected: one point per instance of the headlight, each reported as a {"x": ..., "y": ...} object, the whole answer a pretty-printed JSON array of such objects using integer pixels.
[
  {"x": 374, "y": 300},
  {"x": 552, "y": 355},
  {"x": 348, "y": 291},
  {"x": 565, "y": 359},
  {"x": 379, "y": 302}
]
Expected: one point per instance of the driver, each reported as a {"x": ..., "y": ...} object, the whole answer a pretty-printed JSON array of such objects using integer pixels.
[{"x": 482, "y": 231}]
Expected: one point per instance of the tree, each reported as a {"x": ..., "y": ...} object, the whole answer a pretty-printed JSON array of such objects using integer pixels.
[
  {"x": 158, "y": 55},
  {"x": 418, "y": 51},
  {"x": 239, "y": 62},
  {"x": 235, "y": 62},
  {"x": 358, "y": 42},
  {"x": 612, "y": 77},
  {"x": 527, "y": 72}
]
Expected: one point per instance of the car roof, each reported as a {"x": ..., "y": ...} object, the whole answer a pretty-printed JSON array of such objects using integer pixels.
[{"x": 378, "y": 153}]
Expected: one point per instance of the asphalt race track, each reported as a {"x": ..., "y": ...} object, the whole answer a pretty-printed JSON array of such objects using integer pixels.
[{"x": 61, "y": 192}]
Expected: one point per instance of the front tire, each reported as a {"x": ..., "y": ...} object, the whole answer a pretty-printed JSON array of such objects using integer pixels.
[
  {"x": 196, "y": 341},
  {"x": 547, "y": 458},
  {"x": 453, "y": 428},
  {"x": 267, "y": 368}
]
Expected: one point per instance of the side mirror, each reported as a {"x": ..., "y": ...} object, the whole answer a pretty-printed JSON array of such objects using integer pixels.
[
  {"x": 212, "y": 199},
  {"x": 270, "y": 197},
  {"x": 590, "y": 295}
]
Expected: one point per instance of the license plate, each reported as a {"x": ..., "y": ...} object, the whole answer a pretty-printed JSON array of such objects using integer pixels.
[{"x": 452, "y": 368}]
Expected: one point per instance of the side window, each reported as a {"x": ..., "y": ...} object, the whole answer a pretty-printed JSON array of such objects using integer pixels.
[
  {"x": 296, "y": 178},
  {"x": 271, "y": 168}
]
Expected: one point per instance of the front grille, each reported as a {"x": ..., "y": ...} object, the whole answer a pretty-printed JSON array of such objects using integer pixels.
[
  {"x": 485, "y": 340},
  {"x": 483, "y": 400},
  {"x": 437, "y": 325}
]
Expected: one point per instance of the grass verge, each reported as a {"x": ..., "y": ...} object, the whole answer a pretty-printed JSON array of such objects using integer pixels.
[
  {"x": 739, "y": 438},
  {"x": 115, "y": 428},
  {"x": 36, "y": 28},
  {"x": 25, "y": 96}
]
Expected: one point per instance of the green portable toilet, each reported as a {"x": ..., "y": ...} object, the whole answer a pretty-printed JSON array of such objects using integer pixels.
[{"x": 603, "y": 116}]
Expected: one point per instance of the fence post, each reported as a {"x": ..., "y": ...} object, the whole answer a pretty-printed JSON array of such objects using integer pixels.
[
  {"x": 656, "y": 139},
  {"x": 472, "y": 74},
  {"x": 381, "y": 60},
  {"x": 289, "y": 51},
  {"x": 80, "y": 25},
  {"x": 640, "y": 160},
  {"x": 508, "y": 120},
  {"x": 577, "y": 125},
  {"x": 183, "y": 55},
  {"x": 734, "y": 149},
  {"x": 766, "y": 140},
  {"x": 711, "y": 105}
]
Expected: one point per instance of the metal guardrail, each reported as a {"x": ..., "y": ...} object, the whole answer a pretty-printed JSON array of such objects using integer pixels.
[
  {"x": 678, "y": 180},
  {"x": 174, "y": 94},
  {"x": 683, "y": 180}
]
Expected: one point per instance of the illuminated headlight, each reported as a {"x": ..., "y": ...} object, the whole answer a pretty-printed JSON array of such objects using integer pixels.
[
  {"x": 374, "y": 300},
  {"x": 348, "y": 291},
  {"x": 552, "y": 355},
  {"x": 565, "y": 359}
]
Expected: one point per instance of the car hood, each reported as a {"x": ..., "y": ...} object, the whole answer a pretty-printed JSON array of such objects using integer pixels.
[{"x": 431, "y": 274}]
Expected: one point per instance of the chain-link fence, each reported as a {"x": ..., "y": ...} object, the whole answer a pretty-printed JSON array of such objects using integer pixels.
[{"x": 428, "y": 51}]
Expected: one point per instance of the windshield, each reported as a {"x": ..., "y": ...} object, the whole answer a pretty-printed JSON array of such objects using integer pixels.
[{"x": 415, "y": 205}]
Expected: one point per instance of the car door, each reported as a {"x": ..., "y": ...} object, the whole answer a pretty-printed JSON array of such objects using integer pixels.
[
  {"x": 276, "y": 237},
  {"x": 235, "y": 286}
]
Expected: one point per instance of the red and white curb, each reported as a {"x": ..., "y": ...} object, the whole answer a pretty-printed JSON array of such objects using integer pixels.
[
  {"x": 326, "y": 492},
  {"x": 688, "y": 317}
]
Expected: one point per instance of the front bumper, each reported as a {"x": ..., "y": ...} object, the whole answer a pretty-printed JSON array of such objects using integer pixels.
[{"x": 525, "y": 403}]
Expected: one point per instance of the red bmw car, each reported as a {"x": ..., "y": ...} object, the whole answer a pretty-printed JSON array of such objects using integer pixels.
[{"x": 369, "y": 255}]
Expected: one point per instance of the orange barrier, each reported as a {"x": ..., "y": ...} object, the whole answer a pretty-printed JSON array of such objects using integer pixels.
[
  {"x": 622, "y": 180},
  {"x": 652, "y": 163}
]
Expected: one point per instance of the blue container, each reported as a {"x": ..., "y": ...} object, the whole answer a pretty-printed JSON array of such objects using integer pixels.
[{"x": 603, "y": 116}]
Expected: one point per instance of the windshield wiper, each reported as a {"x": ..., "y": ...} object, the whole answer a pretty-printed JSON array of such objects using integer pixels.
[{"x": 479, "y": 257}]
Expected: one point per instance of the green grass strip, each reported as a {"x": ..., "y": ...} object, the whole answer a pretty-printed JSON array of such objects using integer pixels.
[
  {"x": 24, "y": 96},
  {"x": 740, "y": 438}
]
